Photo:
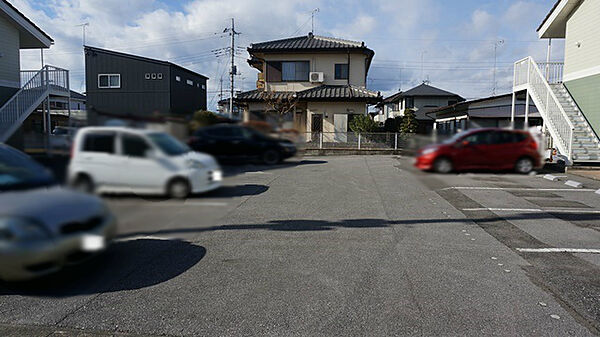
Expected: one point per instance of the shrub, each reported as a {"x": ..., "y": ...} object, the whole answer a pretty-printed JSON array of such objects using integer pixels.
[
  {"x": 409, "y": 122},
  {"x": 202, "y": 119},
  {"x": 362, "y": 123}
]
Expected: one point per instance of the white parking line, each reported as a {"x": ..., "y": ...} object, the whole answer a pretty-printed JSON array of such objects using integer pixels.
[
  {"x": 519, "y": 189},
  {"x": 535, "y": 210},
  {"x": 169, "y": 203},
  {"x": 559, "y": 250}
]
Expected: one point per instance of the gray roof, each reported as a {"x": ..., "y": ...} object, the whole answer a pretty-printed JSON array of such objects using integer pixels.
[
  {"x": 421, "y": 90},
  {"x": 76, "y": 95},
  {"x": 548, "y": 15},
  {"x": 308, "y": 42},
  {"x": 139, "y": 58},
  {"x": 341, "y": 93},
  {"x": 427, "y": 90}
]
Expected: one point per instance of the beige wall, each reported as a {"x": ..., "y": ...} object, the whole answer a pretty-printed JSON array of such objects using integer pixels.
[
  {"x": 330, "y": 109},
  {"x": 583, "y": 27},
  {"x": 320, "y": 62},
  {"x": 10, "y": 75}
]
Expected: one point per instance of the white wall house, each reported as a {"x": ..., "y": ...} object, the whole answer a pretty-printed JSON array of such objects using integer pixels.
[
  {"x": 22, "y": 91},
  {"x": 567, "y": 94},
  {"x": 326, "y": 77}
]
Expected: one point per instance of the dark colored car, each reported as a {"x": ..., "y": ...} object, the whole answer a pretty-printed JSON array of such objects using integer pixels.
[
  {"x": 493, "y": 149},
  {"x": 228, "y": 142}
]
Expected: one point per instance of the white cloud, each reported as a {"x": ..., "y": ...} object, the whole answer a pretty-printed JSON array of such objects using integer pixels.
[{"x": 458, "y": 50}]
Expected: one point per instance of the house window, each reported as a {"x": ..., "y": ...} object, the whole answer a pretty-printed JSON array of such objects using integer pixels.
[
  {"x": 203, "y": 87},
  {"x": 177, "y": 78},
  {"x": 190, "y": 82},
  {"x": 288, "y": 71},
  {"x": 409, "y": 102},
  {"x": 109, "y": 81},
  {"x": 341, "y": 71}
]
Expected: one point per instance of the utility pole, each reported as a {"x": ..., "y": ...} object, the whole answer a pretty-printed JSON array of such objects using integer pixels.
[
  {"x": 83, "y": 26},
  {"x": 233, "y": 71},
  {"x": 312, "y": 20},
  {"x": 496, "y": 45},
  {"x": 422, "y": 61}
]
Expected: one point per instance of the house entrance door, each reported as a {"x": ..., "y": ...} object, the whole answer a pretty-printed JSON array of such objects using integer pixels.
[{"x": 316, "y": 127}]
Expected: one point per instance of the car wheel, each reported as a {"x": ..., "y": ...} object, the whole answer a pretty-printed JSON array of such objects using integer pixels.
[
  {"x": 179, "y": 189},
  {"x": 271, "y": 157},
  {"x": 443, "y": 165},
  {"x": 84, "y": 184},
  {"x": 524, "y": 165}
]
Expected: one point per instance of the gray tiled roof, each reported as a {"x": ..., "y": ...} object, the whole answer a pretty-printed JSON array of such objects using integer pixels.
[
  {"x": 307, "y": 42},
  {"x": 345, "y": 93},
  {"x": 420, "y": 90}
]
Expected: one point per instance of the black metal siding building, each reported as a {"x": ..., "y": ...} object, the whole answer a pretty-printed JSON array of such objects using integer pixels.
[{"x": 124, "y": 86}]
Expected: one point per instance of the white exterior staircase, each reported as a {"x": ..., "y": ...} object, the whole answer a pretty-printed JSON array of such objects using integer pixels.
[
  {"x": 570, "y": 131},
  {"x": 586, "y": 146},
  {"x": 37, "y": 86}
]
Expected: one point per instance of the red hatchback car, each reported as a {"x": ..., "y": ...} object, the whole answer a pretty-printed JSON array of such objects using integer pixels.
[{"x": 494, "y": 149}]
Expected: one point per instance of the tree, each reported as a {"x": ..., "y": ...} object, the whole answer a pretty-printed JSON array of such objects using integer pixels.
[
  {"x": 203, "y": 118},
  {"x": 362, "y": 123},
  {"x": 393, "y": 124},
  {"x": 409, "y": 122},
  {"x": 280, "y": 104}
]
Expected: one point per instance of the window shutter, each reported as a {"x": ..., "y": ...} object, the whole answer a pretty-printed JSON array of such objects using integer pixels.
[{"x": 273, "y": 71}]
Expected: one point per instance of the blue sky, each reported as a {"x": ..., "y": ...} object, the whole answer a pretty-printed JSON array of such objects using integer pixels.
[{"x": 455, "y": 38}]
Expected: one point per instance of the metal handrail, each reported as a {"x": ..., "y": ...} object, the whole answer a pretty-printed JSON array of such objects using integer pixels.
[
  {"x": 28, "y": 97},
  {"x": 564, "y": 135}
]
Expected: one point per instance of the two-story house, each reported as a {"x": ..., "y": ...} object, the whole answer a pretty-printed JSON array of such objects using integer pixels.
[
  {"x": 23, "y": 91},
  {"x": 567, "y": 94},
  {"x": 323, "y": 78},
  {"x": 422, "y": 99},
  {"x": 136, "y": 90}
]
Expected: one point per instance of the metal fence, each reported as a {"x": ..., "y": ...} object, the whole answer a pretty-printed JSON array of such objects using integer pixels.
[{"x": 361, "y": 140}]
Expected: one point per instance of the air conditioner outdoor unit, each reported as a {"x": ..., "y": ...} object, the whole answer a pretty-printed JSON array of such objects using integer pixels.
[{"x": 316, "y": 77}]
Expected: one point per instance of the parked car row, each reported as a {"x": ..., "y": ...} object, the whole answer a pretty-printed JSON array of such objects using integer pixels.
[{"x": 44, "y": 227}]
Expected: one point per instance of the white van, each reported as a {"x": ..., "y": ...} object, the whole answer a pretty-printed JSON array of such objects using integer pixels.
[{"x": 118, "y": 159}]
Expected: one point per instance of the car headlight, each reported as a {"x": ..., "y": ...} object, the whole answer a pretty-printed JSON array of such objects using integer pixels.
[
  {"x": 190, "y": 163},
  {"x": 21, "y": 229},
  {"x": 428, "y": 151}
]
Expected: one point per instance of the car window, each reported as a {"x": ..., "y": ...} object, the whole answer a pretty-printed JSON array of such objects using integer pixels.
[
  {"x": 219, "y": 132},
  {"x": 480, "y": 138},
  {"x": 247, "y": 133},
  {"x": 134, "y": 146},
  {"x": 99, "y": 142},
  {"x": 18, "y": 171},
  {"x": 168, "y": 144}
]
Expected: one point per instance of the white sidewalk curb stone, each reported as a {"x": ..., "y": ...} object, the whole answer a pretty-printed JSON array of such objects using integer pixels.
[
  {"x": 550, "y": 177},
  {"x": 574, "y": 183}
]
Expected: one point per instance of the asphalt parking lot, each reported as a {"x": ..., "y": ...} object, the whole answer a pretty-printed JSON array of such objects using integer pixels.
[{"x": 344, "y": 246}]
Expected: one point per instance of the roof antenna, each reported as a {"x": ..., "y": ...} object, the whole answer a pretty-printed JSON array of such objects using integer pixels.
[{"x": 312, "y": 20}]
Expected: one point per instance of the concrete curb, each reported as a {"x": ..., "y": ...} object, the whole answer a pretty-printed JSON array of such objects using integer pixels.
[
  {"x": 574, "y": 183},
  {"x": 550, "y": 177}
]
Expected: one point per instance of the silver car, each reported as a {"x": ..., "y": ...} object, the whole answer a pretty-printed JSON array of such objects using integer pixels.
[{"x": 44, "y": 227}]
